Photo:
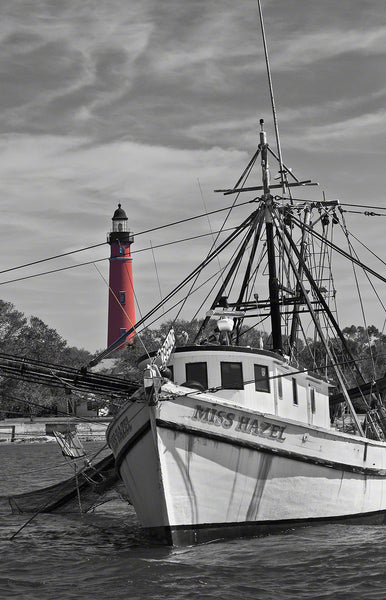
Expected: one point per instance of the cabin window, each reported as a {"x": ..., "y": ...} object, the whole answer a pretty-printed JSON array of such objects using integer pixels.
[
  {"x": 197, "y": 372},
  {"x": 261, "y": 378},
  {"x": 171, "y": 369},
  {"x": 122, "y": 297},
  {"x": 295, "y": 391},
  {"x": 122, "y": 330},
  {"x": 312, "y": 399},
  {"x": 280, "y": 386},
  {"x": 232, "y": 376}
]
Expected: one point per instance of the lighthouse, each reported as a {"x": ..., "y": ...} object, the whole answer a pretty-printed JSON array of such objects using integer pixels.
[{"x": 121, "y": 315}]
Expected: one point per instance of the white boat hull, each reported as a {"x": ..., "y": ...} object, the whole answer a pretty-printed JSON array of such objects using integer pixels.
[{"x": 197, "y": 470}]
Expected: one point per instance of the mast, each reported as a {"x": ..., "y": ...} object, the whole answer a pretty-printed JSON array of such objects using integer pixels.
[{"x": 277, "y": 342}]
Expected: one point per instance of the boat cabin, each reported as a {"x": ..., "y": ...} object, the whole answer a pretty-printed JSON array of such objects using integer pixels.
[{"x": 253, "y": 379}]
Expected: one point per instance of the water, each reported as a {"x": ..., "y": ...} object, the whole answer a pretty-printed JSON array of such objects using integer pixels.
[{"x": 104, "y": 555}]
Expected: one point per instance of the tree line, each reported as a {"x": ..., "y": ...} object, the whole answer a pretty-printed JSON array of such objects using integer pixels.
[
  {"x": 30, "y": 337},
  {"x": 367, "y": 346}
]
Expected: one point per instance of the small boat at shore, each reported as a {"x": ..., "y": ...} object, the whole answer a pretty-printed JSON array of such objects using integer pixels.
[{"x": 225, "y": 439}]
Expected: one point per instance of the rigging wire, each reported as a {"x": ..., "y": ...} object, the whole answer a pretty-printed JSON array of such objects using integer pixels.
[
  {"x": 352, "y": 250},
  {"x": 143, "y": 249},
  {"x": 324, "y": 249},
  {"x": 262, "y": 319},
  {"x": 344, "y": 227},
  {"x": 248, "y": 225},
  {"x": 341, "y": 251},
  {"x": 209, "y": 223},
  {"x": 220, "y": 274},
  {"x": 91, "y": 262},
  {"x": 156, "y": 273},
  {"x": 182, "y": 300},
  {"x": 364, "y": 212},
  {"x": 214, "y": 240},
  {"x": 320, "y": 202},
  {"x": 285, "y": 234},
  {"x": 137, "y": 303},
  {"x": 200, "y": 216},
  {"x": 124, "y": 311},
  {"x": 245, "y": 175},
  {"x": 253, "y": 279},
  {"x": 362, "y": 206},
  {"x": 332, "y": 290},
  {"x": 62, "y": 412},
  {"x": 366, "y": 247},
  {"x": 271, "y": 377},
  {"x": 192, "y": 276},
  {"x": 37, "y": 262}
]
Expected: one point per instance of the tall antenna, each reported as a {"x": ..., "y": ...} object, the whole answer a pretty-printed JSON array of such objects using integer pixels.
[{"x": 271, "y": 94}]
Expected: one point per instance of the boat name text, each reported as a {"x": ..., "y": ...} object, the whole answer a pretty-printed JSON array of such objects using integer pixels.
[
  {"x": 228, "y": 420},
  {"x": 120, "y": 431}
]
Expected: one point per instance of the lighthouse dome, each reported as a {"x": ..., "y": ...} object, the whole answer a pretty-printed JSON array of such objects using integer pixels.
[
  {"x": 119, "y": 214},
  {"x": 120, "y": 227}
]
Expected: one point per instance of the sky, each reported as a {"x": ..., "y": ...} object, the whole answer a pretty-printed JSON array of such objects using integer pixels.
[{"x": 156, "y": 103}]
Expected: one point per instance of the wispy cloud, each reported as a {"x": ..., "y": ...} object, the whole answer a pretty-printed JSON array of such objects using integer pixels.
[
  {"x": 312, "y": 47},
  {"x": 363, "y": 127},
  {"x": 137, "y": 101}
]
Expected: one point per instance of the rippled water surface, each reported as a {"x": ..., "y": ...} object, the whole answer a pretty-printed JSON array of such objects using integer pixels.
[{"x": 104, "y": 555}]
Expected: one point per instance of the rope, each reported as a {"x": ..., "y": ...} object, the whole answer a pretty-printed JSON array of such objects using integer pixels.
[
  {"x": 77, "y": 489},
  {"x": 45, "y": 505}
]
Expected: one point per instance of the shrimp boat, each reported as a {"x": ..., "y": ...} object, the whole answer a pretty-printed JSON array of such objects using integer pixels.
[{"x": 227, "y": 439}]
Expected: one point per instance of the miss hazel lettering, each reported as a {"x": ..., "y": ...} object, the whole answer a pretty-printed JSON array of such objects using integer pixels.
[{"x": 228, "y": 420}]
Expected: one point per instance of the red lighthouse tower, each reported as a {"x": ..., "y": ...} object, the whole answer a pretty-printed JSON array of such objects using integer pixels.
[{"x": 121, "y": 291}]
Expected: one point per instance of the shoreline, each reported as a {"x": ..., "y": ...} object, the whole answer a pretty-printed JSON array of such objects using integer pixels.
[{"x": 40, "y": 430}]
